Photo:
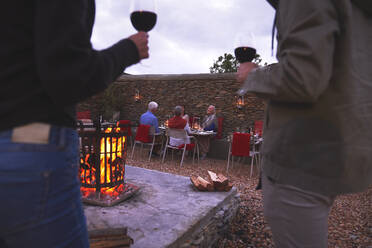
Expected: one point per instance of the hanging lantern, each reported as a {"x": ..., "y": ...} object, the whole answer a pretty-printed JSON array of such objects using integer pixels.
[
  {"x": 240, "y": 102},
  {"x": 137, "y": 96}
]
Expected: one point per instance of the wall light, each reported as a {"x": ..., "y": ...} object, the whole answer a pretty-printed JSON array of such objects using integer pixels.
[
  {"x": 137, "y": 96},
  {"x": 240, "y": 102}
]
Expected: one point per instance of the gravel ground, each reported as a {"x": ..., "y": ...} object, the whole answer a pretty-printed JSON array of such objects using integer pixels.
[{"x": 350, "y": 221}]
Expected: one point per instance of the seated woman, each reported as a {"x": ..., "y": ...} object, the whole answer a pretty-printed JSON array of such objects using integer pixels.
[{"x": 178, "y": 122}]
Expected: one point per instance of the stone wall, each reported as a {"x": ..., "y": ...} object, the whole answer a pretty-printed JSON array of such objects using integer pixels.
[
  {"x": 212, "y": 228},
  {"x": 194, "y": 91}
]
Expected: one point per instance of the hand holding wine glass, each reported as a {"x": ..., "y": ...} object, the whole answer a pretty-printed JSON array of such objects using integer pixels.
[
  {"x": 140, "y": 39},
  {"x": 243, "y": 71},
  {"x": 143, "y": 18}
]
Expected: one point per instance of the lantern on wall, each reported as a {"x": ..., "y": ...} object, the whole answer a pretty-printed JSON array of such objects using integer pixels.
[
  {"x": 239, "y": 102},
  {"x": 137, "y": 96}
]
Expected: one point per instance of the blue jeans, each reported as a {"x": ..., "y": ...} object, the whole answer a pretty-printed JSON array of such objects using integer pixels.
[{"x": 40, "y": 192}]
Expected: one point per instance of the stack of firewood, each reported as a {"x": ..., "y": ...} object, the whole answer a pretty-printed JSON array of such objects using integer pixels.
[
  {"x": 215, "y": 182},
  {"x": 110, "y": 238}
]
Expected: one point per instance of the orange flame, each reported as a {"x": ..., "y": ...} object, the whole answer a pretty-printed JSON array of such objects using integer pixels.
[
  {"x": 197, "y": 126},
  {"x": 111, "y": 149}
]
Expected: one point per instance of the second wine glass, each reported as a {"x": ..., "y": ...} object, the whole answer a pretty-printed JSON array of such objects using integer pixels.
[{"x": 245, "y": 50}]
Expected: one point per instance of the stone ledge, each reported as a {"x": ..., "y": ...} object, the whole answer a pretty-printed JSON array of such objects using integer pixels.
[
  {"x": 168, "y": 211},
  {"x": 212, "y": 227}
]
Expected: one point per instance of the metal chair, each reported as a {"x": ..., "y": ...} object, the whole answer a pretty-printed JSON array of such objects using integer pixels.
[
  {"x": 258, "y": 127},
  {"x": 255, "y": 152},
  {"x": 145, "y": 135},
  {"x": 219, "y": 128},
  {"x": 240, "y": 146},
  {"x": 180, "y": 134},
  {"x": 126, "y": 126}
]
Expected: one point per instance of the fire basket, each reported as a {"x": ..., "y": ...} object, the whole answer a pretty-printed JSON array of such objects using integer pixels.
[{"x": 102, "y": 164}]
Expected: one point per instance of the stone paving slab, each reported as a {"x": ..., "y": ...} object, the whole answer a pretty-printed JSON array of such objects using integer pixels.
[{"x": 165, "y": 210}]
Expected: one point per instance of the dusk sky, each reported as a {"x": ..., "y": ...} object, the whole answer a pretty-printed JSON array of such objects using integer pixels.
[{"x": 189, "y": 35}]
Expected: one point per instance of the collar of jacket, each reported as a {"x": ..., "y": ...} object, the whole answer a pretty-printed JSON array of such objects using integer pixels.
[{"x": 364, "y": 5}]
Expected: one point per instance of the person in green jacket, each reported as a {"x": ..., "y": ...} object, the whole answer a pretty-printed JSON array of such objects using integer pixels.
[{"x": 317, "y": 137}]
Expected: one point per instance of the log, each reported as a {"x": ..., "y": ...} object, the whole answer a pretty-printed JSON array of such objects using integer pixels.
[
  {"x": 225, "y": 188},
  {"x": 122, "y": 243},
  {"x": 109, "y": 238},
  {"x": 201, "y": 184},
  {"x": 108, "y": 232},
  {"x": 224, "y": 179},
  {"x": 206, "y": 184},
  {"x": 219, "y": 181},
  {"x": 195, "y": 182}
]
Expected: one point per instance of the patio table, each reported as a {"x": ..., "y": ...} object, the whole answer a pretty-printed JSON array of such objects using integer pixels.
[{"x": 202, "y": 133}]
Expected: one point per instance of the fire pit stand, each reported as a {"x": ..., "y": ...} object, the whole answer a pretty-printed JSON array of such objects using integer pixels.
[{"x": 102, "y": 164}]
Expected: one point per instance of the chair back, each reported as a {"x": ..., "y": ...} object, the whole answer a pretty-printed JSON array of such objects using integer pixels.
[
  {"x": 125, "y": 126},
  {"x": 177, "y": 133},
  {"x": 80, "y": 115},
  {"x": 240, "y": 144},
  {"x": 191, "y": 120},
  {"x": 219, "y": 128},
  {"x": 258, "y": 127},
  {"x": 143, "y": 134}
]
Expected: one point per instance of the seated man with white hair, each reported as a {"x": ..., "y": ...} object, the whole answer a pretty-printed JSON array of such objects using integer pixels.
[
  {"x": 149, "y": 118},
  {"x": 210, "y": 120},
  {"x": 209, "y": 124}
]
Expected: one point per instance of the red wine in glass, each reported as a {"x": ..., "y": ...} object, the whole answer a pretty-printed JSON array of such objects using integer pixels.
[
  {"x": 143, "y": 20},
  {"x": 245, "y": 54}
]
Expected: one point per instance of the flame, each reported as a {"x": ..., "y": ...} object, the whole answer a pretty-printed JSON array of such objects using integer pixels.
[
  {"x": 111, "y": 152},
  {"x": 137, "y": 96},
  {"x": 240, "y": 102},
  {"x": 197, "y": 126},
  {"x": 112, "y": 192}
]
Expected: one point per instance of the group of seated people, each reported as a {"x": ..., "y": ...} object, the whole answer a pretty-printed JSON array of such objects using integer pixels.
[{"x": 180, "y": 120}]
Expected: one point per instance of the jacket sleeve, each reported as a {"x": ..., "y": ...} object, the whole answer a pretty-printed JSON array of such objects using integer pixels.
[
  {"x": 69, "y": 69},
  {"x": 306, "y": 43}
]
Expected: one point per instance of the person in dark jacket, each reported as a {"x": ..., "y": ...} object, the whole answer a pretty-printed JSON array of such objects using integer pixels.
[
  {"x": 47, "y": 66},
  {"x": 210, "y": 120},
  {"x": 317, "y": 139},
  {"x": 209, "y": 123}
]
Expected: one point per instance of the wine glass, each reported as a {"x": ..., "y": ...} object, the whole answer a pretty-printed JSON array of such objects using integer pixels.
[
  {"x": 245, "y": 44},
  {"x": 245, "y": 51},
  {"x": 143, "y": 15}
]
